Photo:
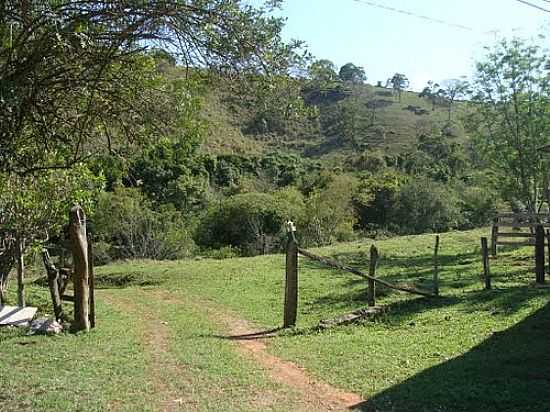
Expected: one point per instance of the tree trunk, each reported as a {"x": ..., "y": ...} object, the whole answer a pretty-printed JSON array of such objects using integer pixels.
[
  {"x": 79, "y": 246},
  {"x": 7, "y": 260},
  {"x": 20, "y": 271}
]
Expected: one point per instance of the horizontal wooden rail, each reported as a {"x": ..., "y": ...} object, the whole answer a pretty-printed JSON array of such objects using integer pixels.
[
  {"x": 338, "y": 265},
  {"x": 517, "y": 243},
  {"x": 518, "y": 234},
  {"x": 521, "y": 224},
  {"x": 523, "y": 215}
]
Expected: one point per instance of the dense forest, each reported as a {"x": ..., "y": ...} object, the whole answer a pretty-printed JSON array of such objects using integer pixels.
[{"x": 208, "y": 149}]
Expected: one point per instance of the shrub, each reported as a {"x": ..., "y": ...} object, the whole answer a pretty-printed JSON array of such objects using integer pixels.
[
  {"x": 126, "y": 221},
  {"x": 242, "y": 220},
  {"x": 479, "y": 206},
  {"x": 427, "y": 206},
  {"x": 330, "y": 214}
]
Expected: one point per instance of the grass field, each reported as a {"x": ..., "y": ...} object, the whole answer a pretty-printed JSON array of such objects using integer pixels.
[{"x": 156, "y": 346}]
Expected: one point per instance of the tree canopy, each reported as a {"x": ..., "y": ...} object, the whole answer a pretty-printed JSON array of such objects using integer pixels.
[
  {"x": 511, "y": 94},
  {"x": 398, "y": 82},
  {"x": 74, "y": 78},
  {"x": 349, "y": 72}
]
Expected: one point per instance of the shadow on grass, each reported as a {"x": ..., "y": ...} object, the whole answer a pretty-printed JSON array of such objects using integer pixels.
[
  {"x": 510, "y": 371},
  {"x": 493, "y": 302}
]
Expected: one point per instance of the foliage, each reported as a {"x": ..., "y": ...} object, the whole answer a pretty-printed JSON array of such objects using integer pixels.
[
  {"x": 453, "y": 89},
  {"x": 329, "y": 212},
  {"x": 278, "y": 106},
  {"x": 376, "y": 197},
  {"x": 126, "y": 221},
  {"x": 323, "y": 73},
  {"x": 398, "y": 82},
  {"x": 433, "y": 93},
  {"x": 347, "y": 121},
  {"x": 479, "y": 205},
  {"x": 351, "y": 73},
  {"x": 511, "y": 98},
  {"x": 35, "y": 207},
  {"x": 242, "y": 220},
  {"x": 168, "y": 172},
  {"x": 74, "y": 79},
  {"x": 426, "y": 206}
]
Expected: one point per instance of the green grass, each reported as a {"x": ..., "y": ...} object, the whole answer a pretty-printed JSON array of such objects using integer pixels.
[
  {"x": 114, "y": 367},
  {"x": 469, "y": 350}
]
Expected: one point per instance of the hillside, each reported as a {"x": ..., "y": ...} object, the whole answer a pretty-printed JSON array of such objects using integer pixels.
[{"x": 379, "y": 122}]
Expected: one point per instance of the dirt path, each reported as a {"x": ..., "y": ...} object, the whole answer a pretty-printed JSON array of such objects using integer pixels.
[
  {"x": 316, "y": 394},
  {"x": 164, "y": 369},
  {"x": 252, "y": 342}
]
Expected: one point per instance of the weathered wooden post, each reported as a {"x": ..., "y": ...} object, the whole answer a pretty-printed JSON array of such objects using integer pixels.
[
  {"x": 539, "y": 254},
  {"x": 291, "y": 282},
  {"x": 494, "y": 235},
  {"x": 19, "y": 247},
  {"x": 485, "y": 259},
  {"x": 371, "y": 290},
  {"x": 436, "y": 267},
  {"x": 79, "y": 247},
  {"x": 91, "y": 281},
  {"x": 53, "y": 283},
  {"x": 548, "y": 245}
]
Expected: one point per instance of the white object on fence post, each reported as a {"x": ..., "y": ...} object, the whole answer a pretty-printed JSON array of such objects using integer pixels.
[{"x": 290, "y": 226}]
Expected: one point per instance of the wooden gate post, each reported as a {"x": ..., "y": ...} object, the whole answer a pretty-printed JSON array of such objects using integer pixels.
[
  {"x": 291, "y": 281},
  {"x": 494, "y": 234},
  {"x": 485, "y": 259},
  {"x": 371, "y": 290},
  {"x": 79, "y": 247},
  {"x": 539, "y": 254}
]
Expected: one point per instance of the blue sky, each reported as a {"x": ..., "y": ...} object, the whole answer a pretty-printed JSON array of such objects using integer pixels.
[{"x": 385, "y": 42}]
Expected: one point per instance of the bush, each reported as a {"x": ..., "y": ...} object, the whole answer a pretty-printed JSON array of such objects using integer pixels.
[
  {"x": 243, "y": 220},
  {"x": 479, "y": 206},
  {"x": 330, "y": 214},
  {"x": 427, "y": 206},
  {"x": 126, "y": 221}
]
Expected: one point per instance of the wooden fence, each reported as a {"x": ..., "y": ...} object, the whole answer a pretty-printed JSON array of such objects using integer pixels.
[
  {"x": 291, "y": 283},
  {"x": 517, "y": 229}
]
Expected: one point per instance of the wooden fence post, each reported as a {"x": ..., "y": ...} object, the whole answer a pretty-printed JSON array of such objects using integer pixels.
[
  {"x": 494, "y": 235},
  {"x": 91, "y": 281},
  {"x": 548, "y": 244},
  {"x": 539, "y": 254},
  {"x": 53, "y": 283},
  {"x": 79, "y": 246},
  {"x": 485, "y": 259},
  {"x": 371, "y": 290},
  {"x": 436, "y": 267},
  {"x": 291, "y": 281}
]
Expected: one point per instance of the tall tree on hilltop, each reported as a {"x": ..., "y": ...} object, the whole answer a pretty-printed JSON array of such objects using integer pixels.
[
  {"x": 398, "y": 82},
  {"x": 453, "y": 89},
  {"x": 352, "y": 73},
  {"x": 323, "y": 72},
  {"x": 432, "y": 92}
]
